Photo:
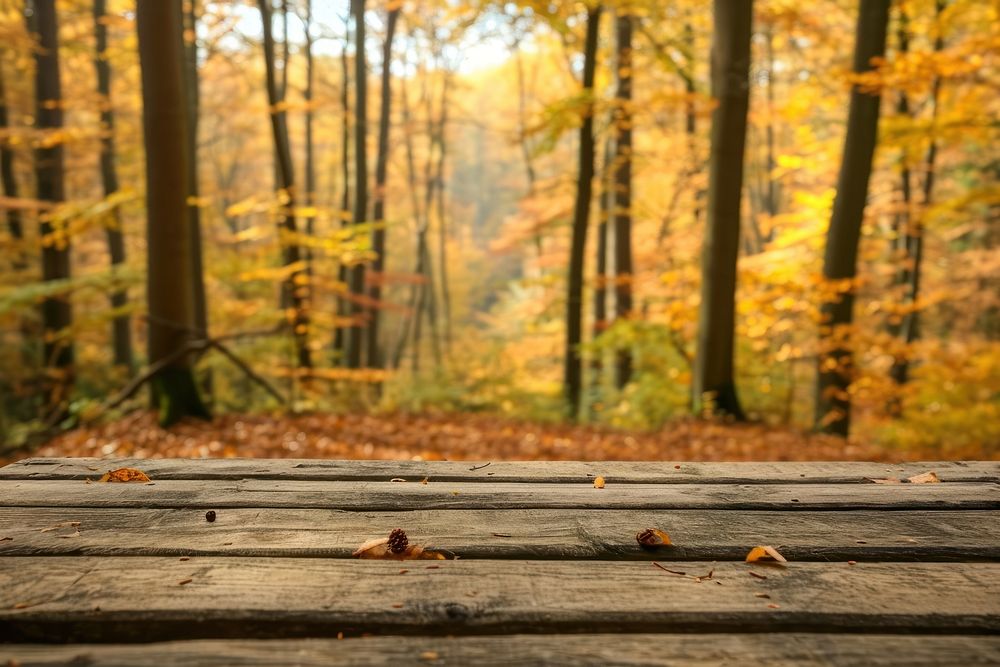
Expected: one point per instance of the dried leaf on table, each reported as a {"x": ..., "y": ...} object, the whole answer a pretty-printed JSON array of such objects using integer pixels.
[
  {"x": 599, "y": 483},
  {"x": 379, "y": 549},
  {"x": 765, "y": 554},
  {"x": 925, "y": 478},
  {"x": 652, "y": 538},
  {"x": 125, "y": 475}
]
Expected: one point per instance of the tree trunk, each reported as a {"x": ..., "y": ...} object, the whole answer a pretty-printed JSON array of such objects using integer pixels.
[
  {"x": 605, "y": 202},
  {"x": 14, "y": 223},
  {"x": 170, "y": 270},
  {"x": 623, "y": 188},
  {"x": 194, "y": 209},
  {"x": 375, "y": 359},
  {"x": 57, "y": 315},
  {"x": 835, "y": 366},
  {"x": 310, "y": 166},
  {"x": 121, "y": 338},
  {"x": 914, "y": 233},
  {"x": 339, "y": 337},
  {"x": 573, "y": 370},
  {"x": 901, "y": 223},
  {"x": 295, "y": 287},
  {"x": 440, "y": 208},
  {"x": 713, "y": 372},
  {"x": 357, "y": 272}
]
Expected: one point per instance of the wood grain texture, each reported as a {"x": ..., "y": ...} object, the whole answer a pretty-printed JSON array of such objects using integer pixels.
[
  {"x": 389, "y": 496},
  {"x": 697, "y": 650},
  {"x": 116, "y": 599},
  {"x": 534, "y": 533},
  {"x": 665, "y": 472}
]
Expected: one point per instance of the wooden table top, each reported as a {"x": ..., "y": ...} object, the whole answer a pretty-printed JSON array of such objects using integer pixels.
[{"x": 542, "y": 567}]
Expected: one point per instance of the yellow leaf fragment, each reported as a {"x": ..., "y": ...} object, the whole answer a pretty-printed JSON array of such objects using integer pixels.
[
  {"x": 599, "y": 483},
  {"x": 125, "y": 475},
  {"x": 765, "y": 555},
  {"x": 652, "y": 538},
  {"x": 925, "y": 478}
]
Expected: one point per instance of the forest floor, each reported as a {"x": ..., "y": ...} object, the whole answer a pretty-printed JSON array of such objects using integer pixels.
[{"x": 456, "y": 437}]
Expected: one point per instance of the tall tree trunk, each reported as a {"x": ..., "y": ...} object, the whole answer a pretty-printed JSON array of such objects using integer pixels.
[
  {"x": 121, "y": 337},
  {"x": 194, "y": 208},
  {"x": 170, "y": 270},
  {"x": 410, "y": 323},
  {"x": 14, "y": 223},
  {"x": 440, "y": 207},
  {"x": 901, "y": 221},
  {"x": 375, "y": 359},
  {"x": 343, "y": 306},
  {"x": 606, "y": 201},
  {"x": 295, "y": 287},
  {"x": 310, "y": 166},
  {"x": 713, "y": 372},
  {"x": 623, "y": 187},
  {"x": 573, "y": 370},
  {"x": 835, "y": 366},
  {"x": 914, "y": 233},
  {"x": 57, "y": 315},
  {"x": 355, "y": 335},
  {"x": 773, "y": 193}
]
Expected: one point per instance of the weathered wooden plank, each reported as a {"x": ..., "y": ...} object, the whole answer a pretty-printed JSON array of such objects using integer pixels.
[
  {"x": 389, "y": 496},
  {"x": 664, "y": 472},
  {"x": 599, "y": 650},
  {"x": 152, "y": 599},
  {"x": 537, "y": 534}
]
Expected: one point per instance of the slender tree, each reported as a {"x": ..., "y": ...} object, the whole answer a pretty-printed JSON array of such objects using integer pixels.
[
  {"x": 307, "y": 96},
  {"x": 57, "y": 314},
  {"x": 295, "y": 287},
  {"x": 713, "y": 371},
  {"x": 357, "y": 272},
  {"x": 170, "y": 268},
  {"x": 911, "y": 236},
  {"x": 622, "y": 165},
  {"x": 573, "y": 369},
  {"x": 339, "y": 337},
  {"x": 374, "y": 356},
  {"x": 600, "y": 325},
  {"x": 9, "y": 181},
  {"x": 439, "y": 201},
  {"x": 191, "y": 83},
  {"x": 835, "y": 365},
  {"x": 121, "y": 336}
]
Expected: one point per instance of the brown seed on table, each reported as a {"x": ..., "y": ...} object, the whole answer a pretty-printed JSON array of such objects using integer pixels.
[
  {"x": 773, "y": 606},
  {"x": 210, "y": 516},
  {"x": 762, "y": 595},
  {"x": 184, "y": 558},
  {"x": 756, "y": 575},
  {"x": 184, "y": 582}
]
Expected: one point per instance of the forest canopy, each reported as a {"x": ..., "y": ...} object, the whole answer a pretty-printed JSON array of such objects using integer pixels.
[{"x": 620, "y": 213}]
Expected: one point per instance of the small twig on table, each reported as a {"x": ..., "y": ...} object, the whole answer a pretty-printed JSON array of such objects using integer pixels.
[
  {"x": 677, "y": 572},
  {"x": 480, "y": 467}
]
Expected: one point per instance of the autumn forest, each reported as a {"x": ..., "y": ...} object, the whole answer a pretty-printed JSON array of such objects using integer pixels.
[{"x": 611, "y": 218}]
